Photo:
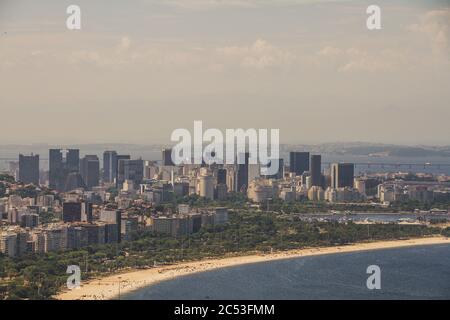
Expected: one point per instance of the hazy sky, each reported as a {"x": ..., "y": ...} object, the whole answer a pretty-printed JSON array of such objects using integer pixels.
[{"x": 139, "y": 69}]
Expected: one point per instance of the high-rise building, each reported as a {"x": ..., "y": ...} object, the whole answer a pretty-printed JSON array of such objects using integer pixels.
[
  {"x": 342, "y": 175},
  {"x": 167, "y": 157},
  {"x": 221, "y": 176},
  {"x": 29, "y": 169},
  {"x": 206, "y": 186},
  {"x": 299, "y": 162},
  {"x": 113, "y": 218},
  {"x": 71, "y": 211},
  {"x": 130, "y": 170},
  {"x": 61, "y": 167},
  {"x": 316, "y": 170},
  {"x": 77, "y": 211},
  {"x": 55, "y": 169},
  {"x": 109, "y": 166},
  {"x": 242, "y": 172},
  {"x": 73, "y": 160},
  {"x": 90, "y": 171},
  {"x": 119, "y": 158},
  {"x": 8, "y": 244}
]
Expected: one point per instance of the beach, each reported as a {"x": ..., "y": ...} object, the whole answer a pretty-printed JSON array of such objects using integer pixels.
[{"x": 114, "y": 286}]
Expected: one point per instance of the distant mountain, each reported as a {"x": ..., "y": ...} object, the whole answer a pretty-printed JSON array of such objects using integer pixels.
[
  {"x": 372, "y": 149},
  {"x": 153, "y": 151}
]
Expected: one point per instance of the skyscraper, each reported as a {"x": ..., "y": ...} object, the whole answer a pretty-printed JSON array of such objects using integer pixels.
[
  {"x": 61, "y": 167},
  {"x": 90, "y": 171},
  {"x": 299, "y": 162},
  {"x": 73, "y": 160},
  {"x": 109, "y": 166},
  {"x": 55, "y": 168},
  {"x": 29, "y": 169},
  {"x": 77, "y": 211},
  {"x": 342, "y": 175},
  {"x": 118, "y": 159},
  {"x": 130, "y": 170},
  {"x": 242, "y": 172},
  {"x": 221, "y": 176},
  {"x": 167, "y": 157},
  {"x": 114, "y": 220},
  {"x": 206, "y": 186},
  {"x": 71, "y": 211},
  {"x": 316, "y": 170}
]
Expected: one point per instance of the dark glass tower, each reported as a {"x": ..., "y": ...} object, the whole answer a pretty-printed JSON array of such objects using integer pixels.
[
  {"x": 61, "y": 168},
  {"x": 29, "y": 169},
  {"x": 316, "y": 170},
  {"x": 342, "y": 175},
  {"x": 90, "y": 171},
  {"x": 299, "y": 162},
  {"x": 55, "y": 174},
  {"x": 167, "y": 157},
  {"x": 109, "y": 166},
  {"x": 242, "y": 172}
]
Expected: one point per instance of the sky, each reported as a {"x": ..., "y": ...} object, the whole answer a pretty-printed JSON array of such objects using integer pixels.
[{"x": 137, "y": 70}]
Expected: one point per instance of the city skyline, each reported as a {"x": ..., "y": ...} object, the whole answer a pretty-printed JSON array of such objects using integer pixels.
[{"x": 308, "y": 68}]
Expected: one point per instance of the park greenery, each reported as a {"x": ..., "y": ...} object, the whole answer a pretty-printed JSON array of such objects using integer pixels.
[{"x": 40, "y": 276}]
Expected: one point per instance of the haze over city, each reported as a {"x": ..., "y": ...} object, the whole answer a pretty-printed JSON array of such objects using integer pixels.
[{"x": 133, "y": 74}]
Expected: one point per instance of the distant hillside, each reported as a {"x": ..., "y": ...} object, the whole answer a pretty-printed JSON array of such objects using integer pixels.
[
  {"x": 368, "y": 149},
  {"x": 153, "y": 151}
]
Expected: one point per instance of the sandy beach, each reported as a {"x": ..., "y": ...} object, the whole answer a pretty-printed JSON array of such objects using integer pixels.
[{"x": 108, "y": 287}]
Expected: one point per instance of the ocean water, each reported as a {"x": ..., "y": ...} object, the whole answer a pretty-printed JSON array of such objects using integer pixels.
[{"x": 421, "y": 272}]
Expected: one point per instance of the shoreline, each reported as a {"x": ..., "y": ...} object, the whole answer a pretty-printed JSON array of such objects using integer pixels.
[{"x": 107, "y": 288}]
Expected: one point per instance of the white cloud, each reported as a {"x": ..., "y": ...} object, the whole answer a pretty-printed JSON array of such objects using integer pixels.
[
  {"x": 259, "y": 55},
  {"x": 363, "y": 59}
]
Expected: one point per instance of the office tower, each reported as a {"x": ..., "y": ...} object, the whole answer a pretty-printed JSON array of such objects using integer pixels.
[
  {"x": 316, "y": 170},
  {"x": 77, "y": 211},
  {"x": 167, "y": 157},
  {"x": 73, "y": 160},
  {"x": 90, "y": 171},
  {"x": 55, "y": 169},
  {"x": 86, "y": 212},
  {"x": 29, "y": 169},
  {"x": 342, "y": 175},
  {"x": 242, "y": 172},
  {"x": 221, "y": 176},
  {"x": 299, "y": 162},
  {"x": 119, "y": 158},
  {"x": 109, "y": 166},
  {"x": 29, "y": 220},
  {"x": 206, "y": 186},
  {"x": 71, "y": 211},
  {"x": 130, "y": 170},
  {"x": 76, "y": 237},
  {"x": 8, "y": 244},
  {"x": 113, "y": 218},
  {"x": 63, "y": 168}
]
